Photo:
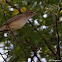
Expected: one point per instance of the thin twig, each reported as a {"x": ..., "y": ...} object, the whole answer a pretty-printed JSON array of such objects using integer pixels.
[
  {"x": 14, "y": 35},
  {"x": 19, "y": 43},
  {"x": 35, "y": 30},
  {"x": 32, "y": 59},
  {"x": 3, "y": 57},
  {"x": 44, "y": 40},
  {"x": 58, "y": 43},
  {"x": 13, "y": 6},
  {"x": 37, "y": 57}
]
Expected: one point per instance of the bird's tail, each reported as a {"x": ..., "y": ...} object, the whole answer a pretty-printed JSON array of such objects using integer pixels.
[{"x": 2, "y": 28}]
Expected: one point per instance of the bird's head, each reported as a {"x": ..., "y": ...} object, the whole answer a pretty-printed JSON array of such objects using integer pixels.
[{"x": 29, "y": 13}]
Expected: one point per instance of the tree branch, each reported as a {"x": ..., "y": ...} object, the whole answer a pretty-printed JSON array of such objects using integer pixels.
[
  {"x": 35, "y": 30},
  {"x": 20, "y": 13},
  {"x": 44, "y": 40},
  {"x": 14, "y": 35},
  {"x": 37, "y": 57},
  {"x": 14, "y": 6},
  {"x": 3, "y": 57},
  {"x": 58, "y": 45},
  {"x": 58, "y": 38}
]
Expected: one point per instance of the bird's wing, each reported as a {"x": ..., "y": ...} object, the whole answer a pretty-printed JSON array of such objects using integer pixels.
[{"x": 15, "y": 18}]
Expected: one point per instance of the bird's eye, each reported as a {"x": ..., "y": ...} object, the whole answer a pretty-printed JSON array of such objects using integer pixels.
[{"x": 31, "y": 12}]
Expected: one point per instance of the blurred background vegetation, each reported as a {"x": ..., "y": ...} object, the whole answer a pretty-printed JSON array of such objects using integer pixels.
[{"x": 39, "y": 36}]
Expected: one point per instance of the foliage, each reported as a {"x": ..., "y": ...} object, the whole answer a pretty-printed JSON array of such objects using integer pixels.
[{"x": 27, "y": 35}]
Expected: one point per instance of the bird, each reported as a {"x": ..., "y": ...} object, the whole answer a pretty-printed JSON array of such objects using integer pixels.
[{"x": 18, "y": 21}]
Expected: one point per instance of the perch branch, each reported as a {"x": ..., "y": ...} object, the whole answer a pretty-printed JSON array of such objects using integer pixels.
[
  {"x": 20, "y": 12},
  {"x": 14, "y": 35},
  {"x": 35, "y": 30}
]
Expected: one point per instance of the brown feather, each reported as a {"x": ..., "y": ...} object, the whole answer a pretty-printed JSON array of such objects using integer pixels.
[{"x": 17, "y": 21}]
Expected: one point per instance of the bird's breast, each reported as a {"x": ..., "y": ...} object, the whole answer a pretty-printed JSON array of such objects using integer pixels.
[{"x": 17, "y": 24}]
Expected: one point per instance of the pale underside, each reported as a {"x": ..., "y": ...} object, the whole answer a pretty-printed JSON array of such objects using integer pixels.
[
  {"x": 17, "y": 24},
  {"x": 14, "y": 24},
  {"x": 17, "y": 21}
]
